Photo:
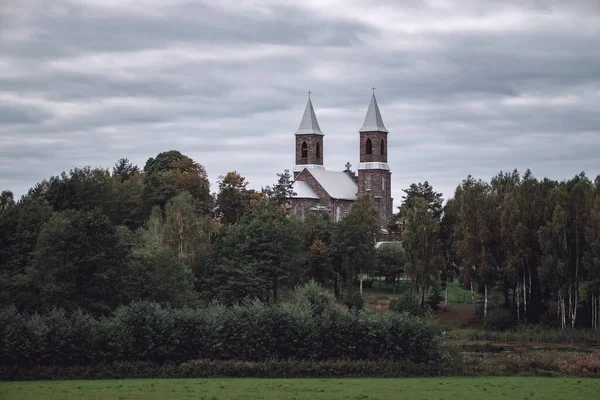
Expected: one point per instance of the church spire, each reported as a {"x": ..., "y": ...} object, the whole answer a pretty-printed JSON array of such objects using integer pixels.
[
  {"x": 309, "y": 124},
  {"x": 373, "y": 121}
]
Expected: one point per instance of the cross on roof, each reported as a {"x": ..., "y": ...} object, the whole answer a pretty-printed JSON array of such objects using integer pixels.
[
  {"x": 348, "y": 165},
  {"x": 373, "y": 89},
  {"x": 309, "y": 92}
]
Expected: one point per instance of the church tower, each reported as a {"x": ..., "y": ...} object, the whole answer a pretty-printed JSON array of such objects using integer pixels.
[
  {"x": 309, "y": 142},
  {"x": 374, "y": 175}
]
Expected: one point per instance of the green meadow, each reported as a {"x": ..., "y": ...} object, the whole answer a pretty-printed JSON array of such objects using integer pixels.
[{"x": 403, "y": 388}]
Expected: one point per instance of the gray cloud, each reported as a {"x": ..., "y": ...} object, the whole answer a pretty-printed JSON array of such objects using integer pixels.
[{"x": 464, "y": 89}]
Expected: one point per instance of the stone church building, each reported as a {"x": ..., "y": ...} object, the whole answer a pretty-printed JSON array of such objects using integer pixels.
[{"x": 334, "y": 191}]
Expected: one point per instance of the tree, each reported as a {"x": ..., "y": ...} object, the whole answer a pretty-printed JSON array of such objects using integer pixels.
[
  {"x": 82, "y": 189},
  {"x": 421, "y": 244},
  {"x": 391, "y": 261},
  {"x": 79, "y": 262},
  {"x": 592, "y": 254},
  {"x": 254, "y": 258},
  {"x": 187, "y": 233},
  {"x": 424, "y": 191},
  {"x": 124, "y": 170},
  {"x": 171, "y": 172},
  {"x": 475, "y": 234},
  {"x": 160, "y": 275},
  {"x": 6, "y": 200},
  {"x": 283, "y": 190},
  {"x": 233, "y": 199},
  {"x": 353, "y": 242},
  {"x": 20, "y": 226},
  {"x": 127, "y": 206}
]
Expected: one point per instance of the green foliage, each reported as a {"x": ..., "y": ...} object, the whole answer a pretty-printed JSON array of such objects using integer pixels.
[
  {"x": 79, "y": 261},
  {"x": 316, "y": 296},
  {"x": 421, "y": 244},
  {"x": 160, "y": 275},
  {"x": 423, "y": 191},
  {"x": 254, "y": 258},
  {"x": 499, "y": 320},
  {"x": 233, "y": 199},
  {"x": 172, "y": 172},
  {"x": 354, "y": 300},
  {"x": 353, "y": 240},
  {"x": 391, "y": 260},
  {"x": 435, "y": 296},
  {"x": 407, "y": 302},
  {"x": 283, "y": 190},
  {"x": 144, "y": 331}
]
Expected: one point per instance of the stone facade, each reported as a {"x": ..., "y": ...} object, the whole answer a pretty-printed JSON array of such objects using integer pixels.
[
  {"x": 376, "y": 182},
  {"x": 313, "y": 150},
  {"x": 376, "y": 149}
]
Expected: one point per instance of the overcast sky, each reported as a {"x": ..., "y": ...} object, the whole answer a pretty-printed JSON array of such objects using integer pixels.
[{"x": 464, "y": 87}]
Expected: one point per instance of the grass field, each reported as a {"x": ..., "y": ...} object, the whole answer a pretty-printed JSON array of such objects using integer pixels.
[{"x": 403, "y": 388}]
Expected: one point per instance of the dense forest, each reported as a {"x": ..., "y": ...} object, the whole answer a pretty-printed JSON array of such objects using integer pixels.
[{"x": 95, "y": 239}]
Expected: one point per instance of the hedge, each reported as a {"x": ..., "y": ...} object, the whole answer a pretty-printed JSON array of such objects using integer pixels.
[{"x": 148, "y": 332}]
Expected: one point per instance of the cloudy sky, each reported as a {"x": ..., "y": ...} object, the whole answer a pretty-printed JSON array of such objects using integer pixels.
[{"x": 464, "y": 87}]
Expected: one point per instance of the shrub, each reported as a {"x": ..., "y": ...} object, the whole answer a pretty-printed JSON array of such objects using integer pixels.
[
  {"x": 499, "y": 320},
  {"x": 315, "y": 295},
  {"x": 148, "y": 332},
  {"x": 408, "y": 303},
  {"x": 354, "y": 300}
]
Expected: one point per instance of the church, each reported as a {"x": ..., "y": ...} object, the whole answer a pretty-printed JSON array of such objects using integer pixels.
[{"x": 316, "y": 188}]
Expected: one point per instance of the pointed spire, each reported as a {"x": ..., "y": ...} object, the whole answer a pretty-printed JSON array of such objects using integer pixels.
[
  {"x": 373, "y": 121},
  {"x": 309, "y": 124}
]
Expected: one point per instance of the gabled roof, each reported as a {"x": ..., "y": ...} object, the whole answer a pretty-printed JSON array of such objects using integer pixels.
[
  {"x": 309, "y": 124},
  {"x": 373, "y": 121},
  {"x": 339, "y": 185},
  {"x": 303, "y": 190}
]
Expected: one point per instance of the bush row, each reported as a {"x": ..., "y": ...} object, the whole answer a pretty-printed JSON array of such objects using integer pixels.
[{"x": 148, "y": 332}]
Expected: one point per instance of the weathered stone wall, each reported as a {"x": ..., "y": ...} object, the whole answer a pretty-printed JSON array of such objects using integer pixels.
[
  {"x": 311, "y": 141},
  {"x": 376, "y": 138}
]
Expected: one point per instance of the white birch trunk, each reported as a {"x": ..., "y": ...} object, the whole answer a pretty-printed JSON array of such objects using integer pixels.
[
  {"x": 361, "y": 280},
  {"x": 485, "y": 302},
  {"x": 473, "y": 296},
  {"x": 524, "y": 297},
  {"x": 518, "y": 297},
  {"x": 574, "y": 314},
  {"x": 593, "y": 312},
  {"x": 446, "y": 298}
]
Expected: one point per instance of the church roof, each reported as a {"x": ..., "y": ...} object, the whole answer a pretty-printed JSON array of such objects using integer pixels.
[
  {"x": 309, "y": 124},
  {"x": 303, "y": 190},
  {"x": 339, "y": 185},
  {"x": 373, "y": 121}
]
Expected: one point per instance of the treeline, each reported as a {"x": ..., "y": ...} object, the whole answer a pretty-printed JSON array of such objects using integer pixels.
[
  {"x": 536, "y": 241},
  {"x": 94, "y": 239}
]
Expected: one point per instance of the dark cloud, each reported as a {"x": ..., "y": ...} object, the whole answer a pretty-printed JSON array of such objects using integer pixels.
[{"x": 469, "y": 89}]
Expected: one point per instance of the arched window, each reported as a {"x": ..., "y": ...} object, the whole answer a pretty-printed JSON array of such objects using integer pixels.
[
  {"x": 368, "y": 183},
  {"x": 383, "y": 147},
  {"x": 338, "y": 213},
  {"x": 318, "y": 150},
  {"x": 299, "y": 211},
  {"x": 304, "y": 150},
  {"x": 369, "y": 147}
]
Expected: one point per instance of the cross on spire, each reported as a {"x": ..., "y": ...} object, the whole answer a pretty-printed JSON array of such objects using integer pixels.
[
  {"x": 309, "y": 92},
  {"x": 373, "y": 89}
]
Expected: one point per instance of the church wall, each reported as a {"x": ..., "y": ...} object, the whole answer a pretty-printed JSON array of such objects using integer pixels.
[
  {"x": 311, "y": 141},
  {"x": 375, "y": 155},
  {"x": 378, "y": 190}
]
